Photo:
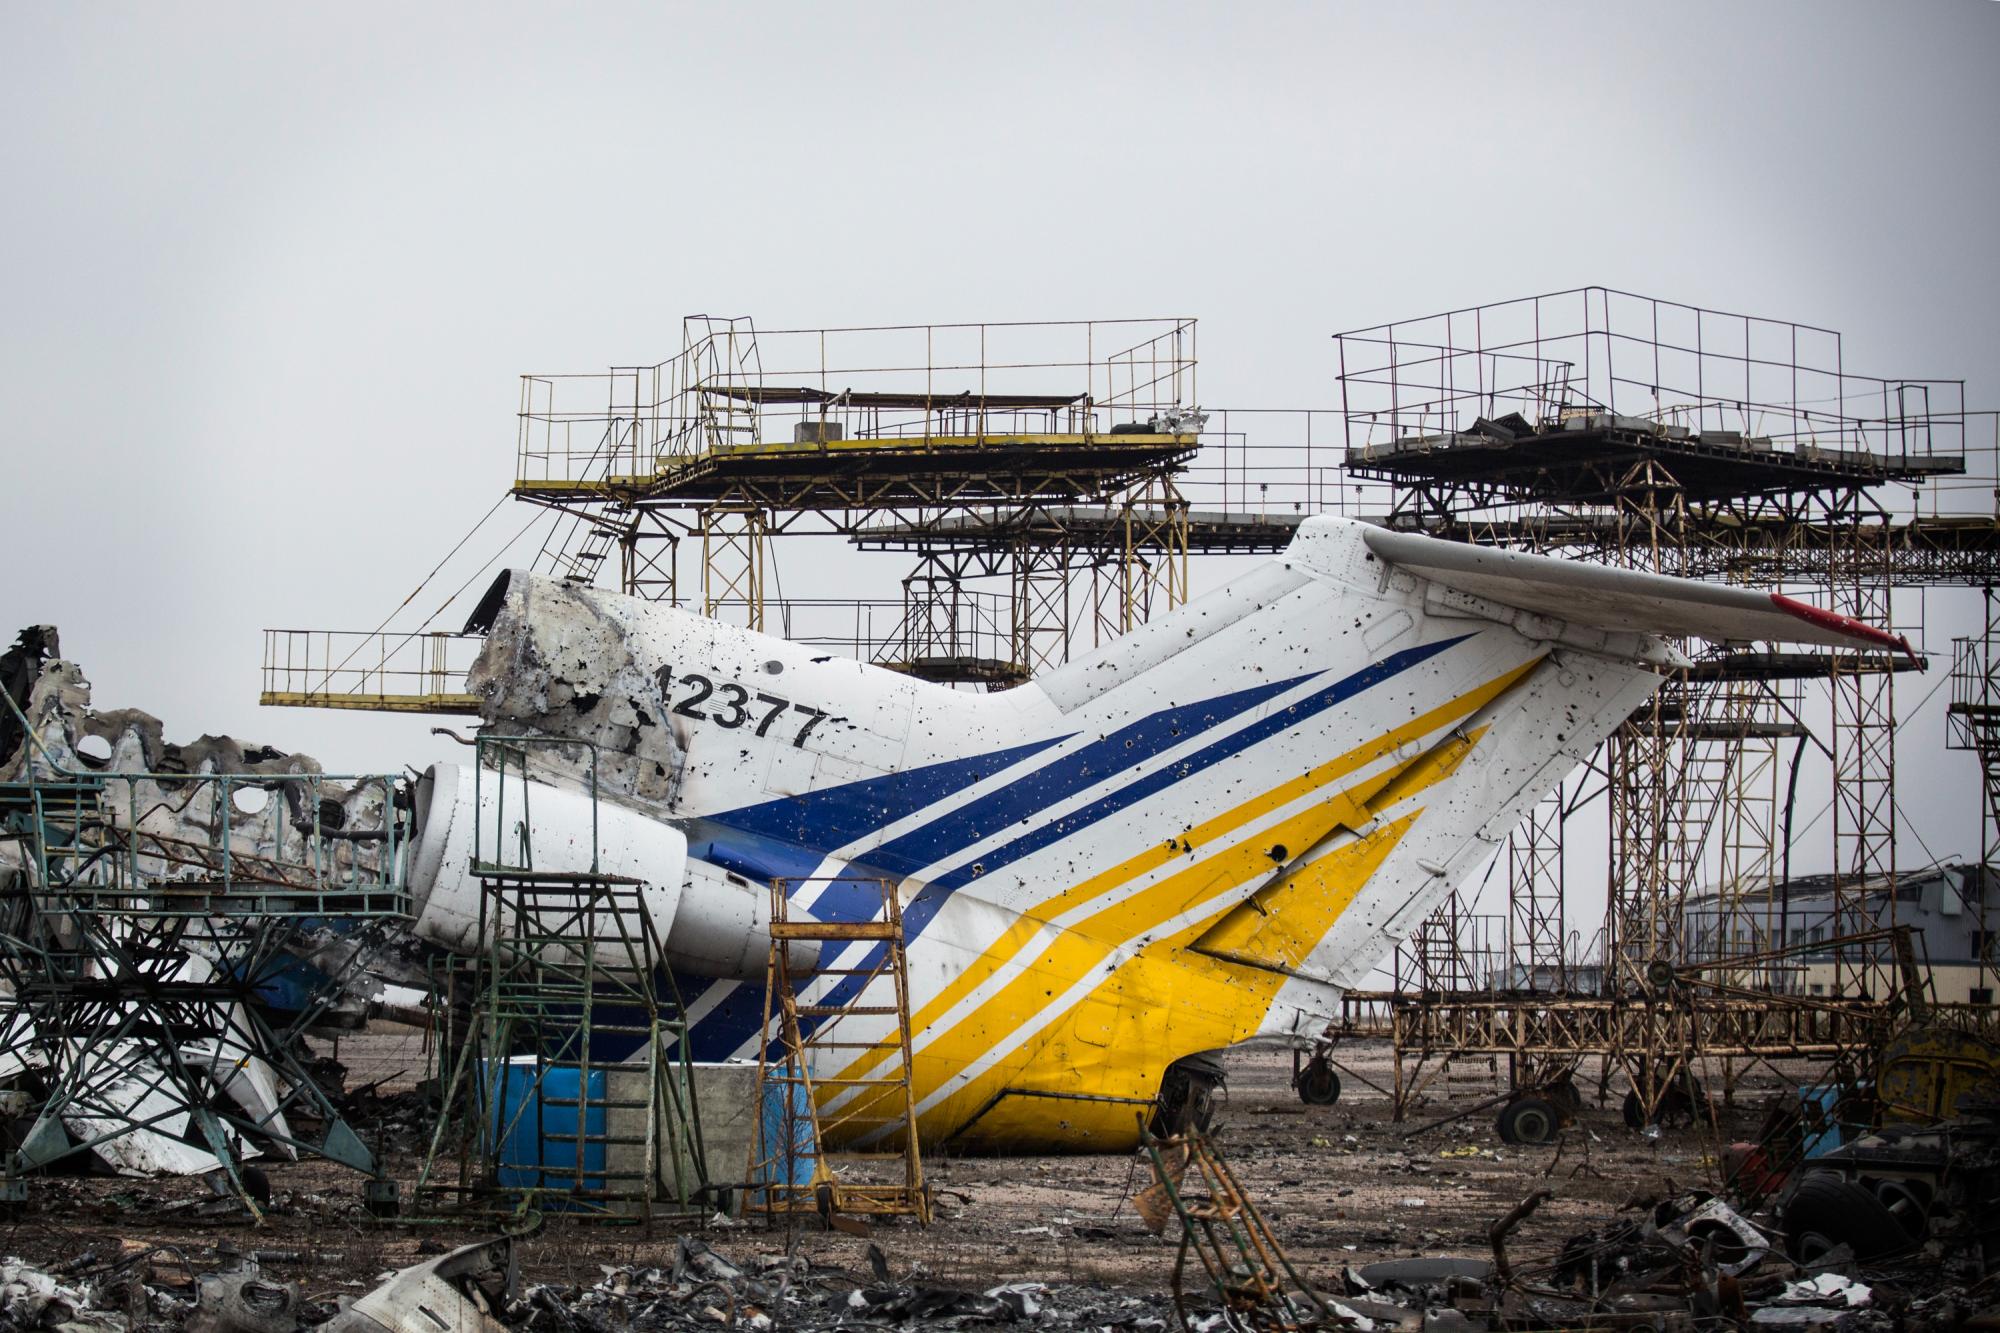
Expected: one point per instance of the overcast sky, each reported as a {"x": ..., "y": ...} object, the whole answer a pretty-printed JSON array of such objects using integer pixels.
[{"x": 271, "y": 271}]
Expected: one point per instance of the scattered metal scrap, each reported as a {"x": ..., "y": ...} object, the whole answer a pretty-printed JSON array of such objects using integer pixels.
[
  {"x": 151, "y": 1001},
  {"x": 1245, "y": 1268}
]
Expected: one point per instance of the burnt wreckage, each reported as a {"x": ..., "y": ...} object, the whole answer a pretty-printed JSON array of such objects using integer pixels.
[{"x": 176, "y": 917}]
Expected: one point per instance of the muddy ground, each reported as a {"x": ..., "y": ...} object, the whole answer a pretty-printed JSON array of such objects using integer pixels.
[{"x": 1339, "y": 1185}]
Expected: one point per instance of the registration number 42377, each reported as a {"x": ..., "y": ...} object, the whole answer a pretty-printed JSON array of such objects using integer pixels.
[{"x": 730, "y": 705}]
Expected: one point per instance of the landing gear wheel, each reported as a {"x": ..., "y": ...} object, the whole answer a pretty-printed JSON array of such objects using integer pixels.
[
  {"x": 1530, "y": 1120},
  {"x": 1675, "y": 1106},
  {"x": 1908, "y": 1201},
  {"x": 1318, "y": 1084},
  {"x": 1828, "y": 1211},
  {"x": 1187, "y": 1095}
]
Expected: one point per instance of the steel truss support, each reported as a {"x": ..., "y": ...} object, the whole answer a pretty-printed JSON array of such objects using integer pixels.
[
  {"x": 733, "y": 553},
  {"x": 649, "y": 558},
  {"x": 1042, "y": 601},
  {"x": 1153, "y": 566},
  {"x": 134, "y": 961},
  {"x": 1535, "y": 889},
  {"x": 1974, "y": 725},
  {"x": 1863, "y": 741}
]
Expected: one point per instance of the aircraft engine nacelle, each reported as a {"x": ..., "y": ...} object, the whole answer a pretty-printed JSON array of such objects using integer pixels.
[{"x": 706, "y": 921}]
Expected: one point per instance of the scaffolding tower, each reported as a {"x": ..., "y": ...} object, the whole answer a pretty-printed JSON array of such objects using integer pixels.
[
  {"x": 1038, "y": 455},
  {"x": 1600, "y": 425},
  {"x": 1974, "y": 726},
  {"x": 571, "y": 1066}
]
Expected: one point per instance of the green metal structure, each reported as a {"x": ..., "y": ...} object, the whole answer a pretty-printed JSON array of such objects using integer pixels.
[
  {"x": 143, "y": 919},
  {"x": 571, "y": 1070}
]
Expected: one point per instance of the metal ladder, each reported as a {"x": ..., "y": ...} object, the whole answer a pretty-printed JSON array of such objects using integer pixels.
[{"x": 837, "y": 1120}]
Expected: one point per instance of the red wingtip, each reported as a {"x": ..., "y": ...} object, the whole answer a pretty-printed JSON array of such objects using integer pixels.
[{"x": 1848, "y": 625}]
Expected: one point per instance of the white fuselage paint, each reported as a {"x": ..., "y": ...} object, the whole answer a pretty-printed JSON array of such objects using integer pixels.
[{"x": 1023, "y": 830}]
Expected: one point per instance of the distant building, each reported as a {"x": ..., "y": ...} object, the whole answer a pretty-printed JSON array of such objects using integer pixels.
[{"x": 1947, "y": 907}]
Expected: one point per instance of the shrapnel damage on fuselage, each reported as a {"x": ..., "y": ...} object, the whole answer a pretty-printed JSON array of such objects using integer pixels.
[{"x": 1197, "y": 837}]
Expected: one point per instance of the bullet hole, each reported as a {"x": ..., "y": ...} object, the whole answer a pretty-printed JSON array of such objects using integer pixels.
[{"x": 1277, "y": 852}]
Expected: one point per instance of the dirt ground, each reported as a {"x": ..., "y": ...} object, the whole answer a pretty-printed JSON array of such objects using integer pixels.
[{"x": 1340, "y": 1185}]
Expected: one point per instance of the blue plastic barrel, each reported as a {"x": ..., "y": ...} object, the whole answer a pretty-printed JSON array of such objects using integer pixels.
[
  {"x": 788, "y": 1163},
  {"x": 538, "y": 1147}
]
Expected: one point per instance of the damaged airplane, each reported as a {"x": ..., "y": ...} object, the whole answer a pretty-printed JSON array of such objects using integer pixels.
[{"x": 1198, "y": 837}]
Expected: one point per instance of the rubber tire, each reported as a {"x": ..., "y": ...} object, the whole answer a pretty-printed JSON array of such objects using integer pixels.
[
  {"x": 1827, "y": 1210},
  {"x": 1318, "y": 1084},
  {"x": 1908, "y": 1203},
  {"x": 1532, "y": 1121},
  {"x": 1675, "y": 1108}
]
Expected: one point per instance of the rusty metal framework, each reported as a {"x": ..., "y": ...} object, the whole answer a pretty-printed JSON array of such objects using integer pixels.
[
  {"x": 1601, "y": 425},
  {"x": 1037, "y": 456},
  {"x": 835, "y": 1067},
  {"x": 1244, "y": 1269},
  {"x": 1974, "y": 725}
]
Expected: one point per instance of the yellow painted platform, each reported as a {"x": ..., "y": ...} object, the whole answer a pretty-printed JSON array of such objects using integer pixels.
[{"x": 461, "y": 704}]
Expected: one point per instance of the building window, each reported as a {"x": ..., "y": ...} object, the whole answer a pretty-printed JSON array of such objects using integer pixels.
[
  {"x": 1981, "y": 940},
  {"x": 1982, "y": 995},
  {"x": 1818, "y": 989}
]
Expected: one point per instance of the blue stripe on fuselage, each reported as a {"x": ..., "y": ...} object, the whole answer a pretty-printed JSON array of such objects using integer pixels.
[
  {"x": 1020, "y": 800},
  {"x": 935, "y": 894},
  {"x": 797, "y": 830}
]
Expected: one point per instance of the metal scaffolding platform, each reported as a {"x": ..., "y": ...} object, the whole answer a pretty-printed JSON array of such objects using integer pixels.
[
  {"x": 748, "y": 434},
  {"x": 375, "y": 672},
  {"x": 1600, "y": 425},
  {"x": 571, "y": 1066}
]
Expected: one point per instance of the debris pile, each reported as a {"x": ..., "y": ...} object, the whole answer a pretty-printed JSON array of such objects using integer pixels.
[{"x": 477, "y": 1289}]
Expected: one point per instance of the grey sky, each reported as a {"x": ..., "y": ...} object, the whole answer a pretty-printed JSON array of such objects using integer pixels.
[{"x": 271, "y": 271}]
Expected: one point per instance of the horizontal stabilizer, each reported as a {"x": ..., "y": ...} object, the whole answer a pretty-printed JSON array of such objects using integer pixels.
[{"x": 1624, "y": 599}]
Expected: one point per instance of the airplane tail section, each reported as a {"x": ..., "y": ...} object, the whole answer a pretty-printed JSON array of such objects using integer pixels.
[
  {"x": 1198, "y": 835},
  {"x": 1538, "y": 592},
  {"x": 1440, "y": 776}
]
